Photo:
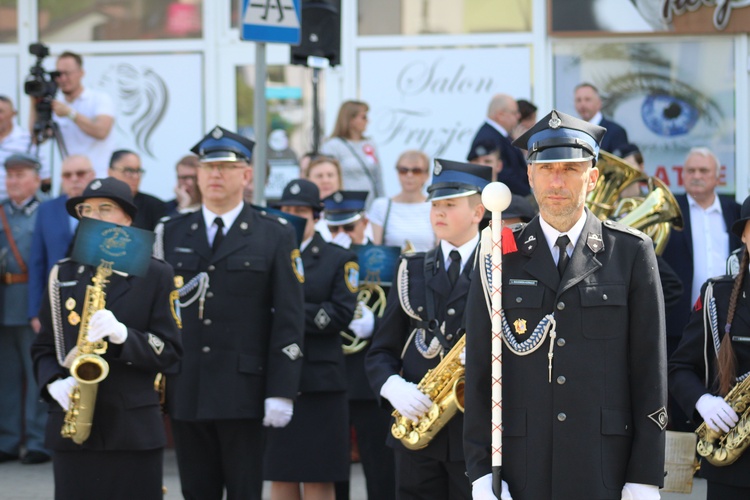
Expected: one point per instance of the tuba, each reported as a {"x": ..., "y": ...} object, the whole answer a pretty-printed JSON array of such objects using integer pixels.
[
  {"x": 88, "y": 367},
  {"x": 614, "y": 176},
  {"x": 444, "y": 385},
  {"x": 724, "y": 449}
]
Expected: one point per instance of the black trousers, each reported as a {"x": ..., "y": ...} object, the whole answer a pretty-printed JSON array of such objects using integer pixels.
[
  {"x": 108, "y": 475},
  {"x": 422, "y": 478},
  {"x": 372, "y": 424},
  {"x": 219, "y": 454}
]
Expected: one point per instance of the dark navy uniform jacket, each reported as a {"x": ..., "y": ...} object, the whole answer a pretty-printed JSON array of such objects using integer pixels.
[
  {"x": 246, "y": 346},
  {"x": 330, "y": 299},
  {"x": 600, "y": 421},
  {"x": 687, "y": 368},
  {"x": 127, "y": 415},
  {"x": 394, "y": 331}
]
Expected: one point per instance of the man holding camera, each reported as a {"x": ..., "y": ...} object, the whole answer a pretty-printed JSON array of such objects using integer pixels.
[{"x": 85, "y": 116}]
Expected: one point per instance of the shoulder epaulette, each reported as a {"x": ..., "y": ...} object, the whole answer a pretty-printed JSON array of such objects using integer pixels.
[
  {"x": 273, "y": 217},
  {"x": 721, "y": 279},
  {"x": 517, "y": 227},
  {"x": 625, "y": 229},
  {"x": 175, "y": 217}
]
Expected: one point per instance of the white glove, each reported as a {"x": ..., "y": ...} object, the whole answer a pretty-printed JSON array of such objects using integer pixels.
[
  {"x": 481, "y": 489},
  {"x": 363, "y": 327},
  {"x": 278, "y": 412},
  {"x": 462, "y": 357},
  {"x": 103, "y": 323},
  {"x": 60, "y": 391},
  {"x": 405, "y": 397},
  {"x": 638, "y": 491},
  {"x": 342, "y": 239},
  {"x": 716, "y": 412}
]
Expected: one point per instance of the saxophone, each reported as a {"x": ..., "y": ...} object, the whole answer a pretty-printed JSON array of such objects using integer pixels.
[
  {"x": 88, "y": 367},
  {"x": 724, "y": 449},
  {"x": 444, "y": 385}
]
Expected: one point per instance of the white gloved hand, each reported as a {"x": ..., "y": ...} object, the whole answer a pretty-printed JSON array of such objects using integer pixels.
[
  {"x": 405, "y": 397},
  {"x": 60, "y": 391},
  {"x": 342, "y": 239},
  {"x": 104, "y": 324},
  {"x": 481, "y": 489},
  {"x": 638, "y": 491},
  {"x": 462, "y": 357},
  {"x": 278, "y": 412},
  {"x": 716, "y": 412},
  {"x": 364, "y": 326}
]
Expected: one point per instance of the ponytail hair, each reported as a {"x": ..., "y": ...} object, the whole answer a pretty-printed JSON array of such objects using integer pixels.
[{"x": 726, "y": 360}]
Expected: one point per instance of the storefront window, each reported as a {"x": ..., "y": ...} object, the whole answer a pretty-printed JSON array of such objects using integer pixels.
[
  {"x": 419, "y": 17},
  {"x": 8, "y": 21},
  {"x": 89, "y": 20},
  {"x": 289, "y": 107}
]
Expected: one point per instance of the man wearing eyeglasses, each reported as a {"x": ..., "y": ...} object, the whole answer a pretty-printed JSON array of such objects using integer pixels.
[
  {"x": 85, "y": 116},
  {"x": 125, "y": 166},
  {"x": 54, "y": 230},
  {"x": 17, "y": 217},
  {"x": 243, "y": 324}
]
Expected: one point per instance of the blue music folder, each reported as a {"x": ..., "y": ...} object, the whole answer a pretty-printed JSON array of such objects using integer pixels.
[
  {"x": 128, "y": 249},
  {"x": 377, "y": 263}
]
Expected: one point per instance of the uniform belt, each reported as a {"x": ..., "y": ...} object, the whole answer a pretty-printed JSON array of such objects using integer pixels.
[{"x": 14, "y": 278}]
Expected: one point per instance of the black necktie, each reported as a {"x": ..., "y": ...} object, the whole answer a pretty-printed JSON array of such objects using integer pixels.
[
  {"x": 455, "y": 267},
  {"x": 219, "y": 234},
  {"x": 562, "y": 244}
]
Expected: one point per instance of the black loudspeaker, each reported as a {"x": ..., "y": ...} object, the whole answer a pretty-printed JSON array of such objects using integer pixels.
[{"x": 320, "y": 32}]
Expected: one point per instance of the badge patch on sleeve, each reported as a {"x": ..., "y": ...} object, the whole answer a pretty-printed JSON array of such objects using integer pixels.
[
  {"x": 660, "y": 418},
  {"x": 156, "y": 343},
  {"x": 351, "y": 276},
  {"x": 292, "y": 351},
  {"x": 322, "y": 319},
  {"x": 297, "y": 267}
]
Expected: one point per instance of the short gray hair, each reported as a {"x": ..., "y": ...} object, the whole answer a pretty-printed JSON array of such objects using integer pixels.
[{"x": 704, "y": 151}]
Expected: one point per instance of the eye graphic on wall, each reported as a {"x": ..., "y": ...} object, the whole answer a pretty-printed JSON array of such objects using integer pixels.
[{"x": 141, "y": 97}]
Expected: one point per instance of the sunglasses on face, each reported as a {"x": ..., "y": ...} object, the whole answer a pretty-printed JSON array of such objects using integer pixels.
[
  {"x": 347, "y": 228},
  {"x": 407, "y": 170}
]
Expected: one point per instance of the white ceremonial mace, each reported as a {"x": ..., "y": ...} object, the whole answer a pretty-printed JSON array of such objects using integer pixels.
[{"x": 496, "y": 197}]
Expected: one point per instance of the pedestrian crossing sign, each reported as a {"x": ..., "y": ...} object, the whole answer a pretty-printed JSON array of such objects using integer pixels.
[{"x": 272, "y": 21}]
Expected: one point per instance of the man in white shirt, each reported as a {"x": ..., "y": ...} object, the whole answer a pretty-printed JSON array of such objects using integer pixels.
[
  {"x": 85, "y": 116},
  {"x": 14, "y": 139}
]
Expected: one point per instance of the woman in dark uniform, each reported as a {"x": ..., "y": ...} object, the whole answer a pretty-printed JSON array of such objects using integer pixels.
[
  {"x": 725, "y": 346},
  {"x": 314, "y": 448},
  {"x": 122, "y": 457}
]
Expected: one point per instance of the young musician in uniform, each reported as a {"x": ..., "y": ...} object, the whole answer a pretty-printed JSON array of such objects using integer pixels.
[
  {"x": 424, "y": 319},
  {"x": 122, "y": 457},
  {"x": 314, "y": 448},
  {"x": 584, "y": 364},
  {"x": 712, "y": 357}
]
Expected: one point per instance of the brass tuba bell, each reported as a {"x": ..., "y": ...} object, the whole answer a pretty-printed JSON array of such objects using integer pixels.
[{"x": 614, "y": 176}]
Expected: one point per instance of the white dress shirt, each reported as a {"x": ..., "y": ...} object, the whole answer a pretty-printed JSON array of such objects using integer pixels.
[
  {"x": 464, "y": 250},
  {"x": 551, "y": 234},
  {"x": 227, "y": 218},
  {"x": 710, "y": 243}
]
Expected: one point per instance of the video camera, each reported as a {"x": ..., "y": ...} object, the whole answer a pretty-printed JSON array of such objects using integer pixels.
[{"x": 40, "y": 83}]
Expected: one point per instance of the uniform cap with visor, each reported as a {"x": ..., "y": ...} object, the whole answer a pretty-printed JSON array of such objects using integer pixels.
[
  {"x": 454, "y": 179},
  {"x": 559, "y": 137},
  {"x": 345, "y": 207},
  {"x": 221, "y": 145}
]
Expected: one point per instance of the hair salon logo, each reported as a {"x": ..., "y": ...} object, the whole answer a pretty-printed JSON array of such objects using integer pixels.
[{"x": 722, "y": 12}]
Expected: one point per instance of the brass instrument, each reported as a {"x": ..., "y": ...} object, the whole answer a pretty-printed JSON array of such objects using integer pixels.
[
  {"x": 724, "y": 449},
  {"x": 374, "y": 297},
  {"x": 614, "y": 176},
  {"x": 444, "y": 385},
  {"x": 88, "y": 367}
]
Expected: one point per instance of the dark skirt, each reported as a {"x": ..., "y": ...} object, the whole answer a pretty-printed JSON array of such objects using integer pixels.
[
  {"x": 314, "y": 447},
  {"x": 108, "y": 475}
]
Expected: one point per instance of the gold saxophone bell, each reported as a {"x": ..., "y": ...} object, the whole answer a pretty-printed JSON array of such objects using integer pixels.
[
  {"x": 374, "y": 298},
  {"x": 721, "y": 449}
]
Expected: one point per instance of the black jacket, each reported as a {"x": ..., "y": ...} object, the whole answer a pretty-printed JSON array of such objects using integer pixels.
[
  {"x": 127, "y": 415},
  {"x": 514, "y": 173},
  {"x": 246, "y": 346}
]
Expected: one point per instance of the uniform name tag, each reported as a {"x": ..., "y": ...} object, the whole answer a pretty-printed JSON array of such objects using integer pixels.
[
  {"x": 736, "y": 338},
  {"x": 63, "y": 284},
  {"x": 183, "y": 250},
  {"x": 523, "y": 282}
]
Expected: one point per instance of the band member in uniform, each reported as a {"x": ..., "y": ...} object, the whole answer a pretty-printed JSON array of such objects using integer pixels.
[
  {"x": 371, "y": 422},
  {"x": 122, "y": 457},
  {"x": 712, "y": 357},
  {"x": 424, "y": 319},
  {"x": 243, "y": 326},
  {"x": 321, "y": 415},
  {"x": 584, "y": 364}
]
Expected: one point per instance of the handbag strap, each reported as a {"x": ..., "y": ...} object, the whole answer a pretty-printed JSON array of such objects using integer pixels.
[
  {"x": 385, "y": 221},
  {"x": 11, "y": 241},
  {"x": 362, "y": 164}
]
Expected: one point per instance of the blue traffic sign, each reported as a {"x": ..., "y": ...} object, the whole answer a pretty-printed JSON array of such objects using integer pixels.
[{"x": 273, "y": 21}]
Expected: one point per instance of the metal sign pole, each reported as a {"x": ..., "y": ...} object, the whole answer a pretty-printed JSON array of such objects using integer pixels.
[{"x": 259, "y": 120}]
